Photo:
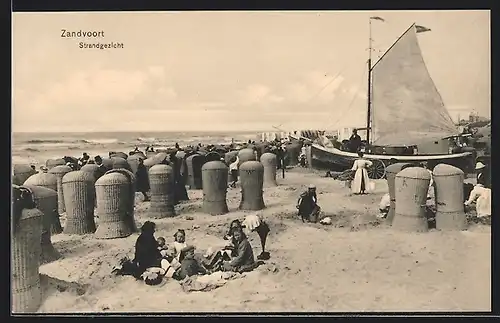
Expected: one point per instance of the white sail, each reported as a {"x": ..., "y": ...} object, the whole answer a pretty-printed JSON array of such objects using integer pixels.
[{"x": 407, "y": 109}]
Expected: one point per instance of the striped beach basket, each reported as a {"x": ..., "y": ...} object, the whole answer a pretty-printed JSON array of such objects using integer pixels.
[
  {"x": 79, "y": 200},
  {"x": 252, "y": 183},
  {"x": 42, "y": 179},
  {"x": 269, "y": 161},
  {"x": 113, "y": 192},
  {"x": 215, "y": 175},
  {"x": 59, "y": 172},
  {"x": 20, "y": 173},
  {"x": 51, "y": 163},
  {"x": 411, "y": 187},
  {"x": 161, "y": 180},
  {"x": 46, "y": 201},
  {"x": 25, "y": 262},
  {"x": 449, "y": 196}
]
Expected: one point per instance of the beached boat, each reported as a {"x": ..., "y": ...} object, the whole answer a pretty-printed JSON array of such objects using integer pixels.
[{"x": 406, "y": 117}]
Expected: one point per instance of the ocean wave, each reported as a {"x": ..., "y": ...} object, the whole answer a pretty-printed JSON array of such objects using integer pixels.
[
  {"x": 31, "y": 149},
  {"x": 55, "y": 142}
]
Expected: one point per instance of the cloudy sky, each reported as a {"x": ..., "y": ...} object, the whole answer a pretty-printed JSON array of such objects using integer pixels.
[{"x": 230, "y": 70}]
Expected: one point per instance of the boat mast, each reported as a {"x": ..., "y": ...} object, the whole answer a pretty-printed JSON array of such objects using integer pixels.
[{"x": 368, "y": 117}]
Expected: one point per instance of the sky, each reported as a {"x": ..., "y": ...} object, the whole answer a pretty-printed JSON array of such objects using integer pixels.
[{"x": 230, "y": 71}]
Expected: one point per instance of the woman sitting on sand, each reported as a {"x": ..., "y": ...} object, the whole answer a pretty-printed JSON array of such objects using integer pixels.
[
  {"x": 252, "y": 223},
  {"x": 360, "y": 182},
  {"x": 146, "y": 248},
  {"x": 307, "y": 205},
  {"x": 243, "y": 254}
]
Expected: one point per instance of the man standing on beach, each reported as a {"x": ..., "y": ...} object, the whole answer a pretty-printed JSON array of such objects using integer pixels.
[{"x": 354, "y": 141}]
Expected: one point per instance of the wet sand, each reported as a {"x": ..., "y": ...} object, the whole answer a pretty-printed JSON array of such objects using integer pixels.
[{"x": 356, "y": 264}]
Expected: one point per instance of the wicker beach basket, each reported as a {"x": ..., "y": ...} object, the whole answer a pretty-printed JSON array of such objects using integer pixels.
[
  {"x": 59, "y": 172},
  {"x": 212, "y": 156},
  {"x": 43, "y": 179},
  {"x": 391, "y": 172},
  {"x": 46, "y": 201},
  {"x": 79, "y": 200},
  {"x": 293, "y": 152},
  {"x": 157, "y": 159},
  {"x": 412, "y": 185},
  {"x": 91, "y": 168},
  {"x": 25, "y": 262},
  {"x": 132, "y": 181},
  {"x": 113, "y": 192},
  {"x": 246, "y": 154},
  {"x": 108, "y": 163},
  {"x": 120, "y": 163},
  {"x": 194, "y": 164},
  {"x": 270, "y": 162},
  {"x": 161, "y": 180},
  {"x": 21, "y": 172},
  {"x": 215, "y": 175},
  {"x": 137, "y": 153},
  {"x": 252, "y": 183},
  {"x": 118, "y": 154},
  {"x": 449, "y": 196},
  {"x": 51, "y": 163}
]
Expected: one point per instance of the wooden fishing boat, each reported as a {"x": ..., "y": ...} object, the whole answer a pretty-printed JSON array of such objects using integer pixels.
[{"x": 406, "y": 117}]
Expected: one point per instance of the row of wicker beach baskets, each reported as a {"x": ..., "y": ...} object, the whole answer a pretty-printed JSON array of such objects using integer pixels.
[{"x": 77, "y": 195}]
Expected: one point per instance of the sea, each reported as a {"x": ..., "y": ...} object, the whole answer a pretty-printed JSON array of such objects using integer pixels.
[{"x": 36, "y": 148}]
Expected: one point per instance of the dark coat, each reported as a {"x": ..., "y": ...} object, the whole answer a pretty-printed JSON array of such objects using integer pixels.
[
  {"x": 142, "y": 178},
  {"x": 146, "y": 252}
]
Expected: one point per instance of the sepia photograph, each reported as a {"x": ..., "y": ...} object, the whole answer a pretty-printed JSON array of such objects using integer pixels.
[{"x": 251, "y": 162}]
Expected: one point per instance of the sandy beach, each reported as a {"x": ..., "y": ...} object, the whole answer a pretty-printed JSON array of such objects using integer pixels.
[{"x": 356, "y": 264}]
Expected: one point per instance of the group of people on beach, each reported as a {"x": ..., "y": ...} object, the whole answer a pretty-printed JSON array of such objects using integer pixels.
[{"x": 179, "y": 260}]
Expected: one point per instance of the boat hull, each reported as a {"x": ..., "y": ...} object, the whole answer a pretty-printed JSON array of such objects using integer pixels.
[{"x": 338, "y": 160}]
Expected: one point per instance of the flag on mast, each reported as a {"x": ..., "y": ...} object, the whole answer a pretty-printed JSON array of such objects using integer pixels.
[
  {"x": 377, "y": 18},
  {"x": 421, "y": 29}
]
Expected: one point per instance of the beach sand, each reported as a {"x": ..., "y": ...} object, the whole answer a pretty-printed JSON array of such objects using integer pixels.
[{"x": 355, "y": 264}]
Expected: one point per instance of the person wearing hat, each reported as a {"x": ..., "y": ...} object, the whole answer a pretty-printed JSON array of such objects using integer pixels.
[
  {"x": 308, "y": 205},
  {"x": 483, "y": 176}
]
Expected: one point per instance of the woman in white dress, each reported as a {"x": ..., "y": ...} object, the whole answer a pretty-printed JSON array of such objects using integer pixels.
[{"x": 360, "y": 182}]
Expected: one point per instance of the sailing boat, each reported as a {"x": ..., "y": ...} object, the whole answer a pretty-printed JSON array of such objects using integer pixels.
[{"x": 405, "y": 112}]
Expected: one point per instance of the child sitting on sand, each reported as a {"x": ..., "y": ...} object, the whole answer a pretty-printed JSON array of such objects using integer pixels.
[
  {"x": 189, "y": 265},
  {"x": 162, "y": 247},
  {"x": 179, "y": 243}
]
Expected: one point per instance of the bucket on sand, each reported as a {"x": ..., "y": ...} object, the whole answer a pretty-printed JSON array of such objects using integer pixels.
[
  {"x": 60, "y": 171},
  {"x": 270, "y": 162},
  {"x": 215, "y": 175},
  {"x": 161, "y": 180},
  {"x": 391, "y": 172},
  {"x": 25, "y": 262},
  {"x": 449, "y": 196},
  {"x": 79, "y": 200},
  {"x": 412, "y": 185},
  {"x": 46, "y": 201},
  {"x": 252, "y": 183},
  {"x": 113, "y": 192}
]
